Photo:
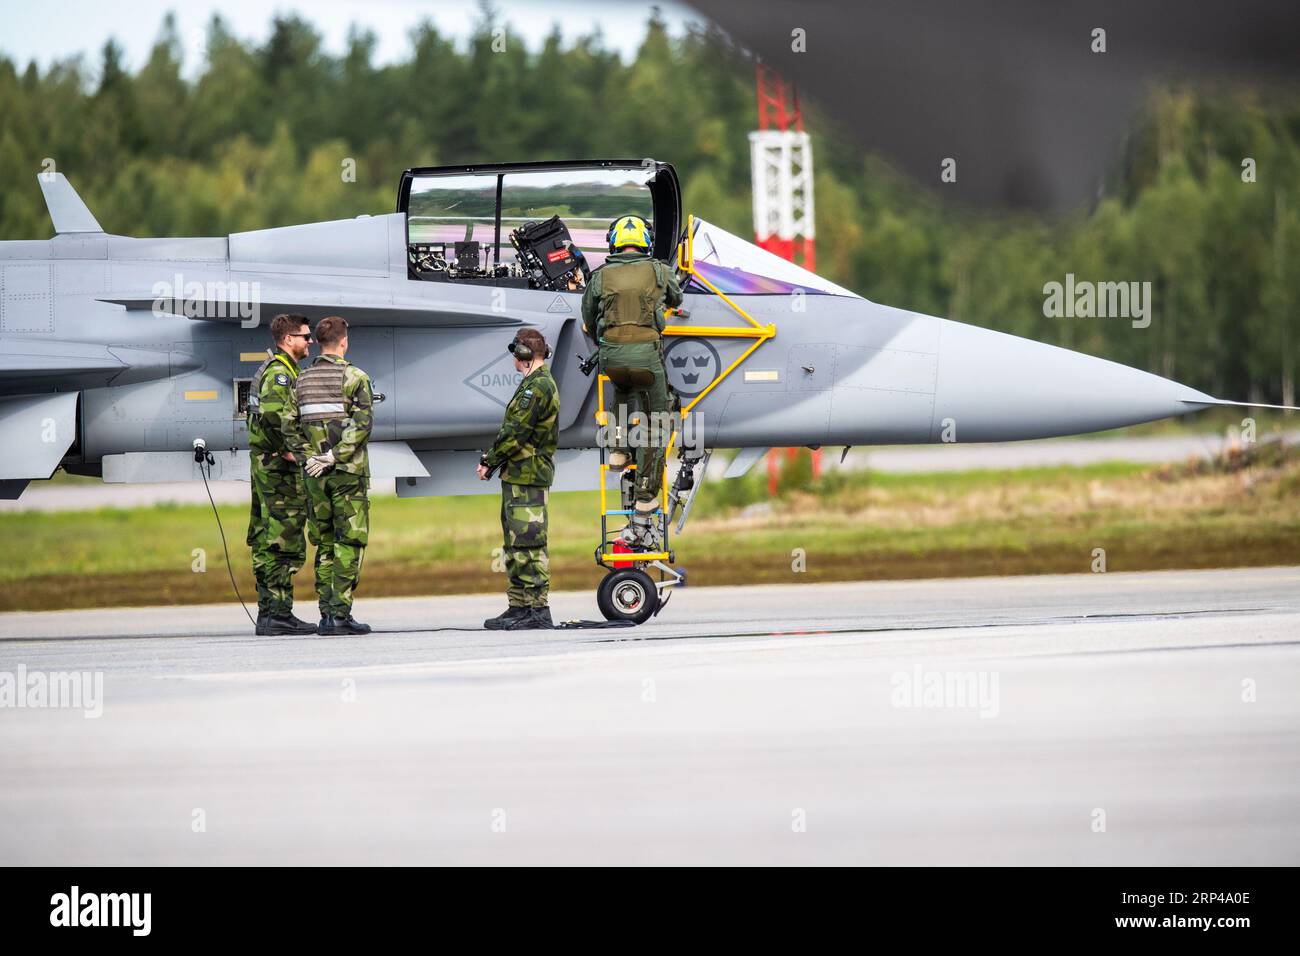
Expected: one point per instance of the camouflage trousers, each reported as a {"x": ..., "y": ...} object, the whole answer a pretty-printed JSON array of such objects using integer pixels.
[
  {"x": 523, "y": 527},
  {"x": 339, "y": 527},
  {"x": 276, "y": 521},
  {"x": 636, "y": 370}
]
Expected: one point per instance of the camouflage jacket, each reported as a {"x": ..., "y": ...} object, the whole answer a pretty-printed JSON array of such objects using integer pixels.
[
  {"x": 273, "y": 413},
  {"x": 593, "y": 320},
  {"x": 348, "y": 436},
  {"x": 524, "y": 449}
]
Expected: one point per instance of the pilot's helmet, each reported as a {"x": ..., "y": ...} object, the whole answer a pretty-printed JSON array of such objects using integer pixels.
[{"x": 630, "y": 231}]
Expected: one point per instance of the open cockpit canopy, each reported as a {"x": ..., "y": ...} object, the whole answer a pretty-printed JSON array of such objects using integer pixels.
[
  {"x": 543, "y": 226},
  {"x": 536, "y": 224}
]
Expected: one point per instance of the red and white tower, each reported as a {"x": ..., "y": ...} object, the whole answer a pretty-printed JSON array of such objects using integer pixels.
[
  {"x": 782, "y": 169},
  {"x": 780, "y": 154}
]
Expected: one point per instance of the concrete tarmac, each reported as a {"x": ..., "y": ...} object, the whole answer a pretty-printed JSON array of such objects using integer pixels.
[{"x": 1086, "y": 719}]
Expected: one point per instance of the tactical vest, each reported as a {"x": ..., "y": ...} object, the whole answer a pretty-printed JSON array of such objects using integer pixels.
[
  {"x": 320, "y": 393},
  {"x": 629, "y": 299},
  {"x": 254, "y": 406}
]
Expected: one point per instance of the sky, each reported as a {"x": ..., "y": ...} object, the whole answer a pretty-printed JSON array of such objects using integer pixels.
[{"x": 51, "y": 31}]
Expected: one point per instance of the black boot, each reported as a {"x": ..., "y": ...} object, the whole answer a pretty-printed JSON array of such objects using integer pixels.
[
  {"x": 334, "y": 625},
  {"x": 355, "y": 626},
  {"x": 535, "y": 618},
  {"x": 269, "y": 624},
  {"x": 502, "y": 621}
]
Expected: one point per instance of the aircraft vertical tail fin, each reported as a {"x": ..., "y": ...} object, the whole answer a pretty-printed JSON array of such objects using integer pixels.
[{"x": 66, "y": 208}]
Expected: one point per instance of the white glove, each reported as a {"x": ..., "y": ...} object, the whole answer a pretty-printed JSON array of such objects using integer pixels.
[{"x": 317, "y": 465}]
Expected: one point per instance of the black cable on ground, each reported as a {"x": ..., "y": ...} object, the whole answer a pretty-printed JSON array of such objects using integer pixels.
[{"x": 229, "y": 570}]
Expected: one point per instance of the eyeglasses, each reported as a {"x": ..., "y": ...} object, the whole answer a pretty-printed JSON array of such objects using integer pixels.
[{"x": 301, "y": 335}]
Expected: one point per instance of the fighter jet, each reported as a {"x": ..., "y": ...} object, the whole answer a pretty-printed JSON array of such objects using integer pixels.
[{"x": 119, "y": 355}]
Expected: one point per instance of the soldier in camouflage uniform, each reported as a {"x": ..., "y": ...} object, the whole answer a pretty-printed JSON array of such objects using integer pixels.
[
  {"x": 524, "y": 452},
  {"x": 623, "y": 309},
  {"x": 335, "y": 408},
  {"x": 278, "y": 514}
]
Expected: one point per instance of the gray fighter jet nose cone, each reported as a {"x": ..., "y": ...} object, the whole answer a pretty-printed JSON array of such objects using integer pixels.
[{"x": 996, "y": 387}]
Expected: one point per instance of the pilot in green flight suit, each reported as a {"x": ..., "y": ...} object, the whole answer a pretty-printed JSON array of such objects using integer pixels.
[
  {"x": 623, "y": 307},
  {"x": 278, "y": 513}
]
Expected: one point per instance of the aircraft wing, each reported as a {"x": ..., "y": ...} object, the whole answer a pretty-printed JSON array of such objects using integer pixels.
[
  {"x": 35, "y": 368},
  {"x": 33, "y": 365}
]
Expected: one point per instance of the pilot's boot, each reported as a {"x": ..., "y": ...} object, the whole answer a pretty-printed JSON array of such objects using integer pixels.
[
  {"x": 334, "y": 625},
  {"x": 642, "y": 531},
  {"x": 502, "y": 621},
  {"x": 269, "y": 624}
]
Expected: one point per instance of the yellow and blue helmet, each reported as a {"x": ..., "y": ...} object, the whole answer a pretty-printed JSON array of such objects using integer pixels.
[{"x": 630, "y": 231}]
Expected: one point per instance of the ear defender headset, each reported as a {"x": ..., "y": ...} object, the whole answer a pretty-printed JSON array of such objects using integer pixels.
[
  {"x": 630, "y": 231},
  {"x": 522, "y": 352}
]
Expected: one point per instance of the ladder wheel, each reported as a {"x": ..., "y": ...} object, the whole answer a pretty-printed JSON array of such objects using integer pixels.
[{"x": 627, "y": 595}]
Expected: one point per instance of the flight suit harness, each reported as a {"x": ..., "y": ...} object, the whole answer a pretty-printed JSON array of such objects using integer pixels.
[{"x": 629, "y": 295}]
